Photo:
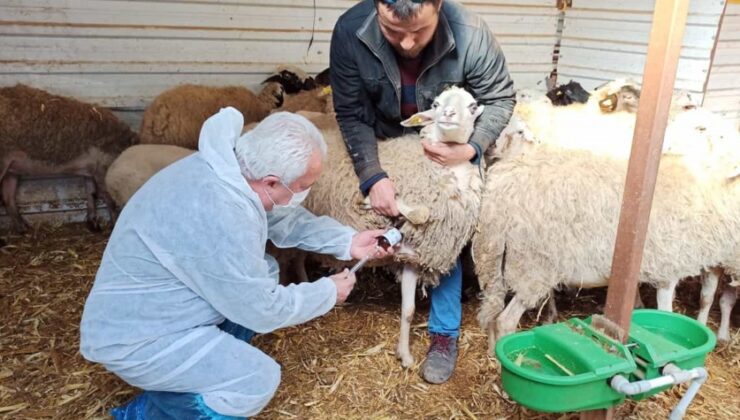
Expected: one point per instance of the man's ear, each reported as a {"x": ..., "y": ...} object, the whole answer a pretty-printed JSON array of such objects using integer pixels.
[
  {"x": 271, "y": 181},
  {"x": 419, "y": 119}
]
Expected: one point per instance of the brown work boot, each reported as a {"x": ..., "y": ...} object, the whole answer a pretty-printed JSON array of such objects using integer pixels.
[{"x": 441, "y": 359}]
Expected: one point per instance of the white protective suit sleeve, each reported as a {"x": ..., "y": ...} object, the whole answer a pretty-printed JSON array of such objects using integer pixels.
[
  {"x": 227, "y": 268},
  {"x": 299, "y": 228}
]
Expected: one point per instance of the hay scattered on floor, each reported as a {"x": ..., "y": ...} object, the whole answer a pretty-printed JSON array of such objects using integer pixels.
[{"x": 339, "y": 366}]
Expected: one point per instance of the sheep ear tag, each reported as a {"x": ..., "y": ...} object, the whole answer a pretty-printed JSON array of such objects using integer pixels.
[{"x": 419, "y": 119}]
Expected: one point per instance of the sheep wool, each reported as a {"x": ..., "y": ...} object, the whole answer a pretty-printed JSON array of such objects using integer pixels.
[
  {"x": 136, "y": 165},
  {"x": 57, "y": 129}
]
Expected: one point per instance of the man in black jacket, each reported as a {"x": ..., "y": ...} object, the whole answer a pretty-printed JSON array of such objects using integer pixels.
[{"x": 390, "y": 59}]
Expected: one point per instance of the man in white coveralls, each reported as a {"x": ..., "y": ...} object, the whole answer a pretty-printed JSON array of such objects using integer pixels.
[{"x": 184, "y": 282}]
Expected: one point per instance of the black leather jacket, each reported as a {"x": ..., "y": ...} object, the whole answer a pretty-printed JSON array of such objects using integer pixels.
[{"x": 366, "y": 81}]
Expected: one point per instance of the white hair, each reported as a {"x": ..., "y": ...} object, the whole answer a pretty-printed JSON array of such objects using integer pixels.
[{"x": 280, "y": 145}]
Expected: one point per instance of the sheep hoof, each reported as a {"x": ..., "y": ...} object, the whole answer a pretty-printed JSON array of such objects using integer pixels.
[
  {"x": 364, "y": 204},
  {"x": 407, "y": 360},
  {"x": 19, "y": 227},
  {"x": 94, "y": 225},
  {"x": 418, "y": 215}
]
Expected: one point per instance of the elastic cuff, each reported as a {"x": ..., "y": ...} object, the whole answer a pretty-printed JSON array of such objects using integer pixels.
[
  {"x": 365, "y": 186},
  {"x": 478, "y": 153},
  {"x": 453, "y": 334}
]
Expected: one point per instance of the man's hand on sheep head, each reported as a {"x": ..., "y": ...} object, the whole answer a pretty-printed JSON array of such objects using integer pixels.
[
  {"x": 448, "y": 154},
  {"x": 366, "y": 243}
]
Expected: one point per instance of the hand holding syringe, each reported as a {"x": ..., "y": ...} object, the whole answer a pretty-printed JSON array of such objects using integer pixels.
[{"x": 386, "y": 241}]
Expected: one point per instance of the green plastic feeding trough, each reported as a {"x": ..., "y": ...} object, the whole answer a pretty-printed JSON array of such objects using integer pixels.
[
  {"x": 562, "y": 367},
  {"x": 572, "y": 366}
]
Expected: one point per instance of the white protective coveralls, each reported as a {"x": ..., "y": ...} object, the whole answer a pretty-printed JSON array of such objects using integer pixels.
[{"x": 187, "y": 252}]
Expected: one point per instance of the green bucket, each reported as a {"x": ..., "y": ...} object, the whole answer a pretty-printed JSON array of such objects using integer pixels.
[{"x": 562, "y": 367}]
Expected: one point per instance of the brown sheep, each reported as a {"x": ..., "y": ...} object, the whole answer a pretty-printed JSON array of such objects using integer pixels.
[
  {"x": 44, "y": 135},
  {"x": 176, "y": 116}
]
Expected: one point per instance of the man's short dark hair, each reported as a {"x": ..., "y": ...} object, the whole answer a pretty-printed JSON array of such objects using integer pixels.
[{"x": 406, "y": 9}]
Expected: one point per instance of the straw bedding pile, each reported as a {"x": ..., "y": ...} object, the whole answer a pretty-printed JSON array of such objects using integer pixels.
[{"x": 339, "y": 366}]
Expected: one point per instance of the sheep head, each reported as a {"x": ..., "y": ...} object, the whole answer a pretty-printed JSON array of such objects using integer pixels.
[
  {"x": 451, "y": 119},
  {"x": 617, "y": 95}
]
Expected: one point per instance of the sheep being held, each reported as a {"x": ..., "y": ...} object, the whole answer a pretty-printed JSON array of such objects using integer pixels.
[{"x": 450, "y": 196}]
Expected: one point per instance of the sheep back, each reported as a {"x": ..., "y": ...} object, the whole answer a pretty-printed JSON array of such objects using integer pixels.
[
  {"x": 136, "y": 165},
  {"x": 556, "y": 213},
  {"x": 176, "y": 116},
  {"x": 57, "y": 129}
]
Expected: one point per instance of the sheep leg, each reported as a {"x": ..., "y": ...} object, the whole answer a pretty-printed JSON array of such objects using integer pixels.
[
  {"x": 90, "y": 196},
  {"x": 552, "y": 311},
  {"x": 9, "y": 190},
  {"x": 638, "y": 300},
  {"x": 508, "y": 321},
  {"x": 665, "y": 297},
  {"x": 709, "y": 281},
  {"x": 298, "y": 267},
  {"x": 409, "y": 277},
  {"x": 113, "y": 210},
  {"x": 726, "y": 303}
]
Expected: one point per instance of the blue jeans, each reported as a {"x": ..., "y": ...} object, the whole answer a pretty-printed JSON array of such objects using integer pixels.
[
  {"x": 445, "y": 313},
  {"x": 159, "y": 405}
]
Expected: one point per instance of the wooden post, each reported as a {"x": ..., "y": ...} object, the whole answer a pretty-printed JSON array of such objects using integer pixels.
[{"x": 666, "y": 36}]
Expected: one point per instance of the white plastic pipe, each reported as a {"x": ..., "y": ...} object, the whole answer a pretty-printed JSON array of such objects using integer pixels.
[
  {"x": 672, "y": 374},
  {"x": 699, "y": 376}
]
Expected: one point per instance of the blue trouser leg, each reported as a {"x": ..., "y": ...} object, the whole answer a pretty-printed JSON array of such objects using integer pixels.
[
  {"x": 161, "y": 405},
  {"x": 445, "y": 314},
  {"x": 242, "y": 333}
]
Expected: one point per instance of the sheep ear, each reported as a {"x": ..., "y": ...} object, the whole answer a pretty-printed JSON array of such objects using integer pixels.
[
  {"x": 419, "y": 119},
  {"x": 478, "y": 110}
]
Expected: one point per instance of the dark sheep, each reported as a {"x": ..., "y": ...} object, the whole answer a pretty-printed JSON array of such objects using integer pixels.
[
  {"x": 46, "y": 135},
  {"x": 567, "y": 94}
]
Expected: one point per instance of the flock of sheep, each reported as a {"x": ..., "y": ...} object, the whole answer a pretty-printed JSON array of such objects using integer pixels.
[{"x": 542, "y": 215}]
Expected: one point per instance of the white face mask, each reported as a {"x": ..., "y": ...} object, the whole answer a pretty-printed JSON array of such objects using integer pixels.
[{"x": 295, "y": 200}]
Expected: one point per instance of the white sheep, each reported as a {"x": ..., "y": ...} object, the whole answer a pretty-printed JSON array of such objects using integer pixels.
[
  {"x": 606, "y": 130},
  {"x": 549, "y": 217},
  {"x": 136, "y": 165},
  {"x": 451, "y": 195}
]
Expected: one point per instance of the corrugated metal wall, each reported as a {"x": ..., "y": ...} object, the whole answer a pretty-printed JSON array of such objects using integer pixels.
[
  {"x": 123, "y": 53},
  {"x": 607, "y": 39},
  {"x": 723, "y": 86}
]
